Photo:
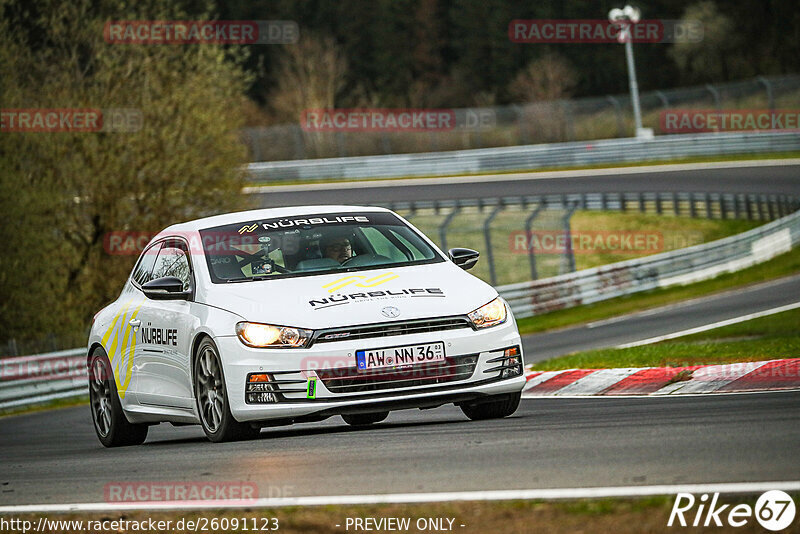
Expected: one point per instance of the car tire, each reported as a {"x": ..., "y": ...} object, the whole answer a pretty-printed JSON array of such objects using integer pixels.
[
  {"x": 492, "y": 409},
  {"x": 112, "y": 427},
  {"x": 363, "y": 419},
  {"x": 211, "y": 398}
]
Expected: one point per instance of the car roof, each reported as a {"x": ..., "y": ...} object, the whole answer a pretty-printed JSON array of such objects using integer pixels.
[{"x": 267, "y": 213}]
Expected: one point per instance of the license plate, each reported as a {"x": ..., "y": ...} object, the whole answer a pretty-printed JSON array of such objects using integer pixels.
[{"x": 400, "y": 356}]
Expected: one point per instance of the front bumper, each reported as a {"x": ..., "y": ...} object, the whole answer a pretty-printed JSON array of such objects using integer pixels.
[{"x": 472, "y": 354}]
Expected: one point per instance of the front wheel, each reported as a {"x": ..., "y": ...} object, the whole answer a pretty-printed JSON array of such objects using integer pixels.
[
  {"x": 504, "y": 406},
  {"x": 212, "y": 399},
  {"x": 363, "y": 419},
  {"x": 112, "y": 427}
]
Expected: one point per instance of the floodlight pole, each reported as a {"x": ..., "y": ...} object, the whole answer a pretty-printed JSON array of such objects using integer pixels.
[
  {"x": 624, "y": 18},
  {"x": 637, "y": 110}
]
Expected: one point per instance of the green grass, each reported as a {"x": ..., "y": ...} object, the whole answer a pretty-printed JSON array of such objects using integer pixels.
[
  {"x": 783, "y": 265},
  {"x": 766, "y": 338},
  {"x": 508, "y": 227},
  {"x": 49, "y": 405},
  {"x": 645, "y": 163},
  {"x": 618, "y": 515}
]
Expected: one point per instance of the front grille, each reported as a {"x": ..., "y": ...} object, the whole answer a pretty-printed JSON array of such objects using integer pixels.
[
  {"x": 350, "y": 380},
  {"x": 399, "y": 328}
]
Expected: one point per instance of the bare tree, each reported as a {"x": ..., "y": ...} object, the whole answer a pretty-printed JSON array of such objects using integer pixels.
[
  {"x": 310, "y": 75},
  {"x": 551, "y": 77},
  {"x": 711, "y": 58}
]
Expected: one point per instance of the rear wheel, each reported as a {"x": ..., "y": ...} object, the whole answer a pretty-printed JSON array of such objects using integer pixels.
[
  {"x": 212, "y": 399},
  {"x": 503, "y": 406},
  {"x": 112, "y": 427},
  {"x": 363, "y": 419}
]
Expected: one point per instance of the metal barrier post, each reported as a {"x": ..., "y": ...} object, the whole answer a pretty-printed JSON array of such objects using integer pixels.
[
  {"x": 568, "y": 264},
  {"x": 618, "y": 113},
  {"x": 487, "y": 235},
  {"x": 299, "y": 143},
  {"x": 770, "y": 95},
  {"x": 528, "y": 225},
  {"x": 714, "y": 95},
  {"x": 445, "y": 224}
]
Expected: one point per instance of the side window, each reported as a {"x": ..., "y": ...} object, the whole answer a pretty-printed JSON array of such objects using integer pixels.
[
  {"x": 141, "y": 274},
  {"x": 172, "y": 261}
]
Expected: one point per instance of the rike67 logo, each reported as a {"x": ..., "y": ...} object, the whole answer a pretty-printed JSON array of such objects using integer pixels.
[{"x": 774, "y": 510}]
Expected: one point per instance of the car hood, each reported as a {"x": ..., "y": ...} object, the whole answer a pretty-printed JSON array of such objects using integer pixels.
[{"x": 362, "y": 297}]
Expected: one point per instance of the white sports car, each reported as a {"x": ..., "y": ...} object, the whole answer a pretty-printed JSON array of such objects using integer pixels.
[{"x": 278, "y": 316}]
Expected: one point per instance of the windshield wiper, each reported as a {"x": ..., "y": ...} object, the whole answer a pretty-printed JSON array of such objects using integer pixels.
[{"x": 241, "y": 279}]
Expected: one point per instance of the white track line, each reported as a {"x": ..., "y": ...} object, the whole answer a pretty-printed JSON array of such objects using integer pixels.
[
  {"x": 710, "y": 326},
  {"x": 397, "y": 498},
  {"x": 703, "y": 299},
  {"x": 511, "y": 177}
]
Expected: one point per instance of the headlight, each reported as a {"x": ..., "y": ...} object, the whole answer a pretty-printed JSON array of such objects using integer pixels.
[
  {"x": 490, "y": 314},
  {"x": 267, "y": 335}
]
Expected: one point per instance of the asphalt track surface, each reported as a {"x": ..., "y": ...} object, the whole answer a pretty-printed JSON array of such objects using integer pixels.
[
  {"x": 744, "y": 179},
  {"x": 663, "y": 320},
  {"x": 54, "y": 457}
]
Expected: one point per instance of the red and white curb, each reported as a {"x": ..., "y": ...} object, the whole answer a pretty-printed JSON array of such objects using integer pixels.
[{"x": 730, "y": 378}]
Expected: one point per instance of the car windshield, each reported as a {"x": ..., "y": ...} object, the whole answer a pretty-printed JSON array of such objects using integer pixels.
[{"x": 312, "y": 244}]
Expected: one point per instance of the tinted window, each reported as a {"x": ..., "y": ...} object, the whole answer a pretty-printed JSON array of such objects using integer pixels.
[{"x": 312, "y": 244}]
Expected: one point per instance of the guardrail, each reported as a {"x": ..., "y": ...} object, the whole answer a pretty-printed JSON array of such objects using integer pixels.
[
  {"x": 526, "y": 157},
  {"x": 28, "y": 380},
  {"x": 683, "y": 266}
]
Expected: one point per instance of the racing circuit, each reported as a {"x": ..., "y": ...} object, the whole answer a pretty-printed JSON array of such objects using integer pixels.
[{"x": 54, "y": 457}]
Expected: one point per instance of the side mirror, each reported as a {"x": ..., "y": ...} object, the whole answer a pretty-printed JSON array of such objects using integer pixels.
[
  {"x": 166, "y": 288},
  {"x": 466, "y": 258}
]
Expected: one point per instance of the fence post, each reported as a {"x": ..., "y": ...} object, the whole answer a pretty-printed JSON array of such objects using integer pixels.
[
  {"x": 676, "y": 209},
  {"x": 528, "y": 225},
  {"x": 770, "y": 94},
  {"x": 748, "y": 205},
  {"x": 412, "y": 210},
  {"x": 663, "y": 98},
  {"x": 487, "y": 235},
  {"x": 446, "y": 223},
  {"x": 568, "y": 129},
  {"x": 709, "y": 214},
  {"x": 715, "y": 95},
  {"x": 760, "y": 202},
  {"x": 618, "y": 113},
  {"x": 522, "y": 128},
  {"x": 692, "y": 206},
  {"x": 299, "y": 143},
  {"x": 386, "y": 143},
  {"x": 340, "y": 144},
  {"x": 723, "y": 211},
  {"x": 568, "y": 264}
]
